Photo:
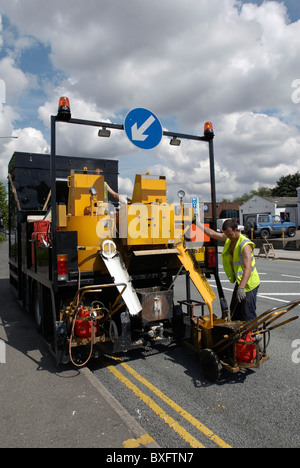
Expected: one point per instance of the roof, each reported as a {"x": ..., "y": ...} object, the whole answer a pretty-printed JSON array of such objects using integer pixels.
[{"x": 283, "y": 201}]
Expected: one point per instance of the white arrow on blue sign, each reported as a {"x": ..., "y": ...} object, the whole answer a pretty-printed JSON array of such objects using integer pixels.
[
  {"x": 195, "y": 204},
  {"x": 143, "y": 128}
]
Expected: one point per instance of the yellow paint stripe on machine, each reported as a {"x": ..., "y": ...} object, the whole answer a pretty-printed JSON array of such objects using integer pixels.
[{"x": 198, "y": 278}]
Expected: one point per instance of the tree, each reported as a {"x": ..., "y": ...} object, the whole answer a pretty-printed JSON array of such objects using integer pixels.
[
  {"x": 287, "y": 186},
  {"x": 261, "y": 192},
  {"x": 4, "y": 204}
]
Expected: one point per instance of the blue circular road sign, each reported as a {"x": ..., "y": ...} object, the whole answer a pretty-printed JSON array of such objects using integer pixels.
[{"x": 143, "y": 128}]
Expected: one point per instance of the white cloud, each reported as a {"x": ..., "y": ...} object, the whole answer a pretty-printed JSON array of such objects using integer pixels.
[
  {"x": 183, "y": 58},
  {"x": 79, "y": 140},
  {"x": 1, "y": 27},
  {"x": 16, "y": 81},
  {"x": 28, "y": 140},
  {"x": 188, "y": 62}
]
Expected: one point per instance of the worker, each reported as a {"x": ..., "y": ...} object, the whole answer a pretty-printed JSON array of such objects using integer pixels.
[
  {"x": 107, "y": 188},
  {"x": 239, "y": 265}
]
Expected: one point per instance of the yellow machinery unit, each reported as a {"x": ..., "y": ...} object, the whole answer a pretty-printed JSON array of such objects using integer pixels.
[
  {"x": 147, "y": 222},
  {"x": 149, "y": 189}
]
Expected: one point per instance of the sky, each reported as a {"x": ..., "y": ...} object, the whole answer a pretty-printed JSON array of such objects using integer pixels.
[{"x": 234, "y": 63}]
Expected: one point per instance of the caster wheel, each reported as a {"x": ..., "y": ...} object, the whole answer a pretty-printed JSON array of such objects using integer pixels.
[{"x": 210, "y": 365}]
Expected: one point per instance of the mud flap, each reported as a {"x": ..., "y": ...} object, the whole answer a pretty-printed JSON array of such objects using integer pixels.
[{"x": 123, "y": 342}]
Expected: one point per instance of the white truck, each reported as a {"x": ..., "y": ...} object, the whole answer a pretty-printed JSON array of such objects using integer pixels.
[{"x": 221, "y": 221}]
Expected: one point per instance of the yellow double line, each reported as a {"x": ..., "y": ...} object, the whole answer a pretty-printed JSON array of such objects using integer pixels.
[{"x": 159, "y": 411}]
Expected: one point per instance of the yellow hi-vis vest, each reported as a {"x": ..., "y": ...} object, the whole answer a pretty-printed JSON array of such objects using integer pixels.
[
  {"x": 234, "y": 267},
  {"x": 105, "y": 192}
]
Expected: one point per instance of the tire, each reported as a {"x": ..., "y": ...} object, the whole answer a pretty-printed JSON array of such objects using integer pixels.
[
  {"x": 264, "y": 234},
  {"x": 37, "y": 306},
  {"x": 113, "y": 331},
  {"x": 210, "y": 365},
  {"x": 291, "y": 232},
  {"x": 250, "y": 225},
  {"x": 41, "y": 307}
]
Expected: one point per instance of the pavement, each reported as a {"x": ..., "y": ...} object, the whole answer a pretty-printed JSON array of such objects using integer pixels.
[
  {"x": 44, "y": 405},
  {"x": 48, "y": 406},
  {"x": 291, "y": 255}
]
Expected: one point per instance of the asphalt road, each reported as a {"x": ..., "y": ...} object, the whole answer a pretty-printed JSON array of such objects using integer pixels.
[{"x": 165, "y": 392}]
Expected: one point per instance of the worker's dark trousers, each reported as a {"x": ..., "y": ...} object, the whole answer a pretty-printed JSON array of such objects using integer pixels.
[{"x": 245, "y": 310}]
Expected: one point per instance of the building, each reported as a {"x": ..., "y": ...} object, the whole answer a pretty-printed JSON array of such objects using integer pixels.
[
  {"x": 287, "y": 207},
  {"x": 222, "y": 208}
]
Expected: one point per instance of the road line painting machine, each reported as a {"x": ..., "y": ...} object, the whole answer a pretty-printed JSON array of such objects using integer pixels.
[{"x": 100, "y": 277}]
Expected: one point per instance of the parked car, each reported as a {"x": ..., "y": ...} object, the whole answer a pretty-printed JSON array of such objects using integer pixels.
[
  {"x": 265, "y": 225},
  {"x": 221, "y": 221}
]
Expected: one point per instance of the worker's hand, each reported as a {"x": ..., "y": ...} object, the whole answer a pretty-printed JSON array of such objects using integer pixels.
[
  {"x": 241, "y": 295},
  {"x": 122, "y": 200}
]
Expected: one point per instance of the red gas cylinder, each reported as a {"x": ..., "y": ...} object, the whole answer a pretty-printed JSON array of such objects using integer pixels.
[
  {"x": 246, "y": 350},
  {"x": 83, "y": 328},
  {"x": 41, "y": 226},
  {"x": 40, "y": 230}
]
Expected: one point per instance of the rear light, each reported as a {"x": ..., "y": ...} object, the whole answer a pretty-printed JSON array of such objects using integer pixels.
[
  {"x": 62, "y": 267},
  {"x": 211, "y": 257}
]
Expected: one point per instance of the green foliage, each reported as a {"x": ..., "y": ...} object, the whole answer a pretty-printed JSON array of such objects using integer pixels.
[
  {"x": 4, "y": 204},
  {"x": 287, "y": 186},
  {"x": 261, "y": 192}
]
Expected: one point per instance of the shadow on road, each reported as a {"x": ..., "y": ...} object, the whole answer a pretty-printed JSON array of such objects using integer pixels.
[{"x": 20, "y": 333}]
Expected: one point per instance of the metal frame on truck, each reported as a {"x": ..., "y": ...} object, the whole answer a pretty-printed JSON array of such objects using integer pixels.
[{"x": 36, "y": 260}]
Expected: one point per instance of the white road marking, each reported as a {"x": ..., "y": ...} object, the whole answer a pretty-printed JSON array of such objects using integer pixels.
[{"x": 291, "y": 276}]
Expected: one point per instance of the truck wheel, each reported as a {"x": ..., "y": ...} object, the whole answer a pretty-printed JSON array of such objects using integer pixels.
[
  {"x": 38, "y": 306},
  {"x": 210, "y": 365},
  {"x": 113, "y": 331},
  {"x": 264, "y": 234},
  {"x": 250, "y": 225},
  {"x": 291, "y": 232}
]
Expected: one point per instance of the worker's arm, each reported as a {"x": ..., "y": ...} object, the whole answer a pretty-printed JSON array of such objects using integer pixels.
[
  {"x": 219, "y": 236},
  {"x": 111, "y": 191},
  {"x": 247, "y": 258},
  {"x": 116, "y": 195}
]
